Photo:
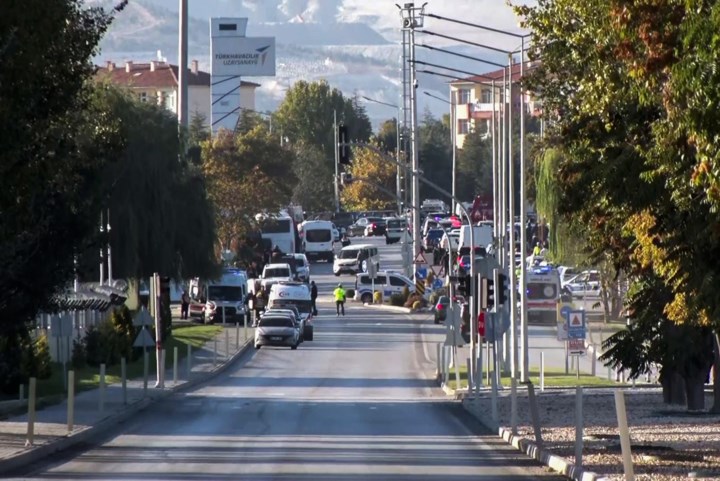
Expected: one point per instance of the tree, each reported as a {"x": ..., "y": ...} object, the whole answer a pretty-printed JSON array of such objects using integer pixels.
[
  {"x": 160, "y": 216},
  {"x": 363, "y": 195},
  {"x": 305, "y": 117},
  {"x": 474, "y": 167},
  {"x": 435, "y": 155},
  {"x": 245, "y": 175},
  {"x": 387, "y": 135},
  {"x": 53, "y": 146},
  {"x": 314, "y": 189},
  {"x": 619, "y": 82}
]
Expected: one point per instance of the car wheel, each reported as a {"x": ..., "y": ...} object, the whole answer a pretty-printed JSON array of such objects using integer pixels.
[
  {"x": 294, "y": 347},
  {"x": 437, "y": 321},
  {"x": 366, "y": 298},
  {"x": 257, "y": 346},
  {"x": 337, "y": 274},
  {"x": 363, "y": 266}
]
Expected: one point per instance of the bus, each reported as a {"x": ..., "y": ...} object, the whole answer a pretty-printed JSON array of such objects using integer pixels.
[{"x": 280, "y": 230}]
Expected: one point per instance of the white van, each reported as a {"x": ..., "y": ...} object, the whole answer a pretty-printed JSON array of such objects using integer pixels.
[
  {"x": 285, "y": 294},
  {"x": 356, "y": 258},
  {"x": 318, "y": 239},
  {"x": 274, "y": 273},
  {"x": 483, "y": 236},
  {"x": 387, "y": 282},
  {"x": 220, "y": 299}
]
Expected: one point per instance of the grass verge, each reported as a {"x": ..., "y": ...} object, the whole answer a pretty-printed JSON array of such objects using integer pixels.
[{"x": 553, "y": 378}]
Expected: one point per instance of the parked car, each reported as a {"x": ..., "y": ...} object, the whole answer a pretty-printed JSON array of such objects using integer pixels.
[
  {"x": 376, "y": 228},
  {"x": 303, "y": 267},
  {"x": 277, "y": 330},
  {"x": 585, "y": 285},
  {"x": 386, "y": 282},
  {"x": 358, "y": 228},
  {"x": 396, "y": 228},
  {"x": 441, "y": 308}
]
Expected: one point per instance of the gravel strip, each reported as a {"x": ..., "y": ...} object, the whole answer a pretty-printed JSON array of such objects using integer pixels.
[{"x": 668, "y": 443}]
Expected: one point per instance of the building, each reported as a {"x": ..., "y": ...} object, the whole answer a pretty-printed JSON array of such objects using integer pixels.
[
  {"x": 473, "y": 99},
  {"x": 157, "y": 82}
]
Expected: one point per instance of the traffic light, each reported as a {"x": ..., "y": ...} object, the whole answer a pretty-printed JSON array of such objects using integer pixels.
[
  {"x": 343, "y": 145},
  {"x": 463, "y": 285},
  {"x": 500, "y": 288},
  {"x": 487, "y": 293}
]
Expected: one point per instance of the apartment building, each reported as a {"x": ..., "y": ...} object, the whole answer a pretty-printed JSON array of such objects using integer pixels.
[
  {"x": 157, "y": 81},
  {"x": 473, "y": 99}
]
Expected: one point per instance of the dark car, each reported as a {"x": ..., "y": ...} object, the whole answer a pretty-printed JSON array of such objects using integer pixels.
[
  {"x": 441, "y": 308},
  {"x": 376, "y": 228},
  {"x": 432, "y": 239}
]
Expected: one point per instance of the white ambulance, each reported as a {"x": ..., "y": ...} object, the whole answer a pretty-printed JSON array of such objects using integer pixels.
[{"x": 543, "y": 295}]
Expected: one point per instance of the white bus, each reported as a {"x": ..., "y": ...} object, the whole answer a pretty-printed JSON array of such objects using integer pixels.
[{"x": 280, "y": 230}]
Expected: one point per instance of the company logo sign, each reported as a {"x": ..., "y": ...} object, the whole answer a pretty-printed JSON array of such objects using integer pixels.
[
  {"x": 244, "y": 56},
  {"x": 249, "y": 58}
]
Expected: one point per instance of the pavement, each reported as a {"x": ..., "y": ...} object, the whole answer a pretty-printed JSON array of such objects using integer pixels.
[{"x": 51, "y": 433}]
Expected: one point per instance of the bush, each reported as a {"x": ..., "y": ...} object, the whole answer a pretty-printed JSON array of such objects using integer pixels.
[
  {"x": 43, "y": 360},
  {"x": 416, "y": 305},
  {"x": 397, "y": 300},
  {"x": 103, "y": 345},
  {"x": 377, "y": 297},
  {"x": 79, "y": 357},
  {"x": 122, "y": 322},
  {"x": 413, "y": 298},
  {"x": 350, "y": 293}
]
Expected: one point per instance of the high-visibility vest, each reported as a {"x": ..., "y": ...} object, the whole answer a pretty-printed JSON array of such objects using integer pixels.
[{"x": 339, "y": 294}]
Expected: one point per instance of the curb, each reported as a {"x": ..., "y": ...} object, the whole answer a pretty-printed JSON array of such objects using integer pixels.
[
  {"x": 531, "y": 449},
  {"x": 35, "y": 454}
]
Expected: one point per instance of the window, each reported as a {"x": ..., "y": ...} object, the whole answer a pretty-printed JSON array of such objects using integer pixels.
[
  {"x": 276, "y": 226},
  {"x": 277, "y": 272},
  {"x": 397, "y": 281},
  {"x": 486, "y": 96},
  {"x": 380, "y": 279},
  {"x": 463, "y": 96},
  {"x": 276, "y": 322},
  {"x": 317, "y": 235},
  {"x": 463, "y": 126},
  {"x": 143, "y": 96}
]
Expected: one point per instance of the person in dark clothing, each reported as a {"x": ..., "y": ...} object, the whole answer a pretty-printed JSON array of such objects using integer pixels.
[
  {"x": 313, "y": 297},
  {"x": 276, "y": 255},
  {"x": 184, "y": 305}
]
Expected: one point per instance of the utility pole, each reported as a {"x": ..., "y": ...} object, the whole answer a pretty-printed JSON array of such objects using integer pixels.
[
  {"x": 524, "y": 361},
  {"x": 337, "y": 162},
  {"x": 182, "y": 100}
]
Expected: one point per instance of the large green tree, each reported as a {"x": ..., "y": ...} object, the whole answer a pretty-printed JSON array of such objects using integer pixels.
[
  {"x": 53, "y": 147},
  {"x": 435, "y": 155},
  {"x": 160, "y": 215},
  {"x": 474, "y": 167},
  {"x": 619, "y": 83}
]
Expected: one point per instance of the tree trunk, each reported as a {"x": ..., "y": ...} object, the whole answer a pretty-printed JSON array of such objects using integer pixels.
[
  {"x": 716, "y": 375},
  {"x": 695, "y": 390},
  {"x": 673, "y": 386}
]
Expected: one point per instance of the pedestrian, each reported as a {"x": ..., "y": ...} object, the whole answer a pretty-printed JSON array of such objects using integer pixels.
[
  {"x": 184, "y": 305},
  {"x": 276, "y": 254},
  {"x": 313, "y": 298},
  {"x": 339, "y": 294}
]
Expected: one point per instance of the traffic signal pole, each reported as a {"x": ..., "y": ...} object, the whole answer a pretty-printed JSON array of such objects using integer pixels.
[{"x": 337, "y": 163}]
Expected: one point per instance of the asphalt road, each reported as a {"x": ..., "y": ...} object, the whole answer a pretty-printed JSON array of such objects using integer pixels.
[{"x": 357, "y": 403}]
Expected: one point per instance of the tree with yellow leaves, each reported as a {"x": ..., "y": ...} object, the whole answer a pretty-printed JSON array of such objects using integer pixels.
[{"x": 365, "y": 195}]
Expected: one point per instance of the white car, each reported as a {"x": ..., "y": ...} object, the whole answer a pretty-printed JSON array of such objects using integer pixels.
[
  {"x": 386, "y": 282},
  {"x": 585, "y": 285},
  {"x": 303, "y": 267},
  {"x": 274, "y": 273}
]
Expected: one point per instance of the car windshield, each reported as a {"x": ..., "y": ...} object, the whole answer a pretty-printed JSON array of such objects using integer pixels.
[
  {"x": 318, "y": 235},
  {"x": 303, "y": 306},
  {"x": 300, "y": 261},
  {"x": 348, "y": 254},
  {"x": 435, "y": 234},
  {"x": 276, "y": 322},
  {"x": 444, "y": 300},
  {"x": 277, "y": 272},
  {"x": 396, "y": 224},
  {"x": 225, "y": 293}
]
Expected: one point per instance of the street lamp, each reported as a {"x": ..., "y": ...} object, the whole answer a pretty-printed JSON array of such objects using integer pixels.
[
  {"x": 397, "y": 148},
  {"x": 453, "y": 127}
]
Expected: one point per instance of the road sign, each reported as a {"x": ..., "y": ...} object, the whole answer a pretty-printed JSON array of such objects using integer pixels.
[
  {"x": 421, "y": 273},
  {"x": 420, "y": 287},
  {"x": 437, "y": 270},
  {"x": 420, "y": 258},
  {"x": 143, "y": 318},
  {"x": 144, "y": 339},
  {"x": 576, "y": 325},
  {"x": 437, "y": 283},
  {"x": 576, "y": 347}
]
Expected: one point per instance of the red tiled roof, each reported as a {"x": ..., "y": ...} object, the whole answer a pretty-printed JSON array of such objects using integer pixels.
[
  {"x": 496, "y": 75},
  {"x": 164, "y": 75}
]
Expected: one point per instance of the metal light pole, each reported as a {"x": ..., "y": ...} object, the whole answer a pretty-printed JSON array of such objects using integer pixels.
[
  {"x": 182, "y": 101},
  {"x": 398, "y": 174},
  {"x": 524, "y": 361},
  {"x": 337, "y": 162},
  {"x": 453, "y": 123}
]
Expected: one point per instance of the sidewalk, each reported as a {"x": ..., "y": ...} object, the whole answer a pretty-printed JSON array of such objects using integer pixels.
[{"x": 51, "y": 428}]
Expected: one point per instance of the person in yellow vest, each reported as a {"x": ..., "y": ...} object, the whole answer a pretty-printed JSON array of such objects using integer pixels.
[
  {"x": 537, "y": 249},
  {"x": 339, "y": 294}
]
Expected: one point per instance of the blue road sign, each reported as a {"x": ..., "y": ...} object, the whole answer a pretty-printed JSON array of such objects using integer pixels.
[
  {"x": 421, "y": 273},
  {"x": 437, "y": 283},
  {"x": 565, "y": 311},
  {"x": 576, "y": 324}
]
